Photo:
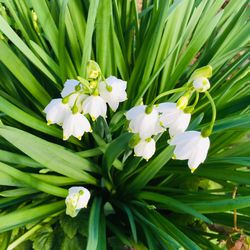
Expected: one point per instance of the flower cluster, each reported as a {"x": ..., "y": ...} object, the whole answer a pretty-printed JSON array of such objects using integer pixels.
[
  {"x": 146, "y": 121},
  {"x": 85, "y": 97}
]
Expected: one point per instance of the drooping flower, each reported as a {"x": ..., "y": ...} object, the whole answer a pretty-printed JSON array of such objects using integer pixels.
[
  {"x": 76, "y": 125},
  {"x": 201, "y": 84},
  {"x": 56, "y": 111},
  {"x": 191, "y": 146},
  {"x": 145, "y": 148},
  {"x": 142, "y": 122},
  {"x": 78, "y": 198},
  {"x": 113, "y": 91},
  {"x": 173, "y": 117},
  {"x": 95, "y": 106}
]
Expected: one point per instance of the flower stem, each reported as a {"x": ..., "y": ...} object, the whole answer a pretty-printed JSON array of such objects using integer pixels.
[
  {"x": 168, "y": 93},
  {"x": 213, "y": 110},
  {"x": 207, "y": 131}
]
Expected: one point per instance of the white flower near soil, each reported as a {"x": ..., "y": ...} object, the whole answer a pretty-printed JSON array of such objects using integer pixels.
[
  {"x": 173, "y": 118},
  {"x": 76, "y": 125},
  {"x": 56, "y": 111},
  {"x": 145, "y": 124},
  {"x": 191, "y": 146},
  {"x": 145, "y": 148},
  {"x": 201, "y": 84},
  {"x": 113, "y": 91},
  {"x": 95, "y": 106},
  {"x": 78, "y": 198}
]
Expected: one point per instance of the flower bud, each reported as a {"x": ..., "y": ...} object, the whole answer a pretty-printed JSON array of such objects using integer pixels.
[
  {"x": 183, "y": 102},
  {"x": 205, "y": 71},
  {"x": 201, "y": 84},
  {"x": 93, "y": 70}
]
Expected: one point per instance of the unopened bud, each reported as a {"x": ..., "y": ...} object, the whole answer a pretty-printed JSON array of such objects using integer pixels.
[
  {"x": 205, "y": 71},
  {"x": 183, "y": 102},
  {"x": 93, "y": 70}
]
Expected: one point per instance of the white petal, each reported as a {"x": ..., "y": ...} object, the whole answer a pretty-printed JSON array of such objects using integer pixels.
[
  {"x": 95, "y": 106},
  {"x": 185, "y": 150},
  {"x": 69, "y": 87},
  {"x": 201, "y": 84},
  {"x": 145, "y": 149},
  {"x": 166, "y": 107},
  {"x": 199, "y": 153},
  {"x": 135, "y": 111},
  {"x": 81, "y": 125},
  {"x": 184, "y": 137},
  {"x": 180, "y": 125},
  {"x": 56, "y": 111}
]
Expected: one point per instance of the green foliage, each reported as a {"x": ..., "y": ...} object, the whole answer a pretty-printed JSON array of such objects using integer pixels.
[{"x": 134, "y": 204}]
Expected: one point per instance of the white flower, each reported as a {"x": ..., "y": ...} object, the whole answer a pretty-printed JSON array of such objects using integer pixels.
[
  {"x": 56, "y": 111},
  {"x": 145, "y": 148},
  {"x": 191, "y": 146},
  {"x": 142, "y": 123},
  {"x": 69, "y": 88},
  {"x": 113, "y": 91},
  {"x": 78, "y": 198},
  {"x": 173, "y": 118},
  {"x": 201, "y": 84},
  {"x": 95, "y": 106},
  {"x": 76, "y": 125}
]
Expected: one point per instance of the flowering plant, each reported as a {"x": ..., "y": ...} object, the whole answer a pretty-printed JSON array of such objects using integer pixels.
[{"x": 147, "y": 109}]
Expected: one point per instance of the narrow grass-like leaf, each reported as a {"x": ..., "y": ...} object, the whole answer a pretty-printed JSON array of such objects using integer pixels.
[
  {"x": 31, "y": 181},
  {"x": 25, "y": 216},
  {"x": 50, "y": 155},
  {"x": 94, "y": 221}
]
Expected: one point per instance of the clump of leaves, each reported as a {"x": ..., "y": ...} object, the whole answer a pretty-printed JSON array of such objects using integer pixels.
[{"x": 134, "y": 204}]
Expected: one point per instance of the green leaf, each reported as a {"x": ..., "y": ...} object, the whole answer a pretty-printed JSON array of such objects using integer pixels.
[
  {"x": 150, "y": 170},
  {"x": 94, "y": 221},
  {"x": 115, "y": 149},
  {"x": 50, "y": 155},
  {"x": 25, "y": 216},
  {"x": 33, "y": 182},
  {"x": 88, "y": 34},
  {"x": 22, "y": 73},
  {"x": 172, "y": 204},
  {"x": 222, "y": 205},
  {"x": 43, "y": 239},
  {"x": 9, "y": 32}
]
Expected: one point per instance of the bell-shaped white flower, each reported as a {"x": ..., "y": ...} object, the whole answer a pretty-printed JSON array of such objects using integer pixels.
[
  {"x": 143, "y": 123},
  {"x": 145, "y": 148},
  {"x": 56, "y": 111},
  {"x": 173, "y": 118},
  {"x": 113, "y": 91},
  {"x": 201, "y": 84},
  {"x": 191, "y": 146},
  {"x": 95, "y": 106},
  {"x": 76, "y": 125},
  {"x": 78, "y": 198}
]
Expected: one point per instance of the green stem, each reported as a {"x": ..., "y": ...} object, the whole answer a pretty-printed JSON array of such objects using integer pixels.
[
  {"x": 213, "y": 109},
  {"x": 196, "y": 99},
  {"x": 169, "y": 93},
  {"x": 206, "y": 132}
]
